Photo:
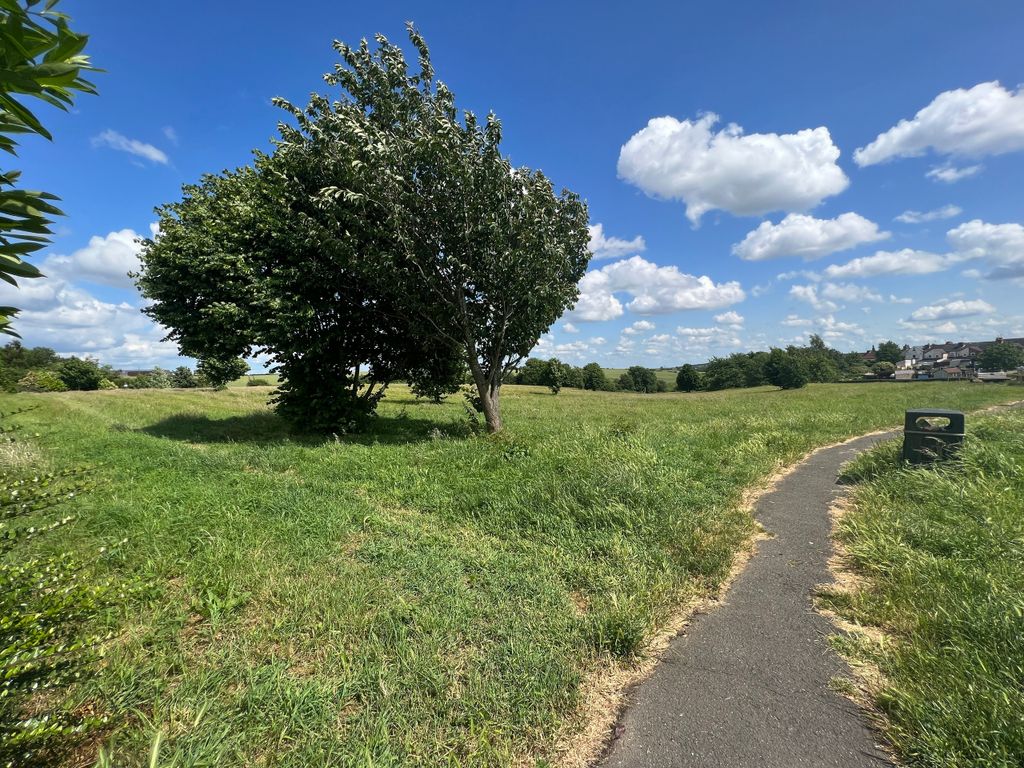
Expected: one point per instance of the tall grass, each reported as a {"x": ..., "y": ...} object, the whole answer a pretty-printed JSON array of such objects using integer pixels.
[
  {"x": 941, "y": 555},
  {"x": 419, "y": 595}
]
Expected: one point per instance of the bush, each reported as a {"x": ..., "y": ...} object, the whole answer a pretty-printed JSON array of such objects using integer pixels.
[
  {"x": 107, "y": 384},
  {"x": 219, "y": 373},
  {"x": 689, "y": 379},
  {"x": 183, "y": 378},
  {"x": 41, "y": 381},
  {"x": 80, "y": 374},
  {"x": 44, "y": 603},
  {"x": 786, "y": 370},
  {"x": 593, "y": 377},
  {"x": 883, "y": 370},
  {"x": 255, "y": 381}
]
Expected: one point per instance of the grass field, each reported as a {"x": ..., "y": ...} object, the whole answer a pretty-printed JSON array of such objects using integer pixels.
[
  {"x": 419, "y": 595},
  {"x": 940, "y": 554},
  {"x": 668, "y": 375}
]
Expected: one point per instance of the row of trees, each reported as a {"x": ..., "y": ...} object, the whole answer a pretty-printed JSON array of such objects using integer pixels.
[
  {"x": 385, "y": 238},
  {"x": 40, "y": 369},
  {"x": 555, "y": 374}
]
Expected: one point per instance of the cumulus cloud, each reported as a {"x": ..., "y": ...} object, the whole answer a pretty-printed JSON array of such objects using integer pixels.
[
  {"x": 640, "y": 326},
  {"x": 826, "y": 326},
  {"x": 848, "y": 292},
  {"x": 570, "y": 328},
  {"x": 951, "y": 309},
  {"x": 921, "y": 217},
  {"x": 984, "y": 120},
  {"x": 807, "y": 237},
  {"x": 1001, "y": 245},
  {"x": 654, "y": 290},
  {"x": 809, "y": 294},
  {"x": 747, "y": 175},
  {"x": 603, "y": 247},
  {"x": 950, "y": 173},
  {"x": 106, "y": 260},
  {"x": 114, "y": 140},
  {"x": 729, "y": 318},
  {"x": 903, "y": 262}
]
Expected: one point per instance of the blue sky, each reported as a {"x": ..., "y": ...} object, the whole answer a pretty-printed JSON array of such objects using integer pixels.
[{"x": 716, "y": 145}]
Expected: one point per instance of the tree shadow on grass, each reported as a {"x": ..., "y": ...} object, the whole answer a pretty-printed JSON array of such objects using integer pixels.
[{"x": 264, "y": 428}]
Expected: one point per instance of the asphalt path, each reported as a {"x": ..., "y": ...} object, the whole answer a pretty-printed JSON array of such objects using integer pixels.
[{"x": 747, "y": 684}]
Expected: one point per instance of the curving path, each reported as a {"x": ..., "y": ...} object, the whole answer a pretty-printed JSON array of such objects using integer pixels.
[{"x": 748, "y": 683}]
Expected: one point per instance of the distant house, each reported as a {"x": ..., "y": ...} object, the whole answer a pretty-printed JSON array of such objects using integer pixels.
[
  {"x": 869, "y": 357},
  {"x": 905, "y": 374},
  {"x": 951, "y": 373}
]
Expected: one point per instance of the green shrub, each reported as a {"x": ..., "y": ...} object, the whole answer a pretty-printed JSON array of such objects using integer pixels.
[
  {"x": 44, "y": 603},
  {"x": 183, "y": 378},
  {"x": 80, "y": 374},
  {"x": 107, "y": 384},
  {"x": 786, "y": 369},
  {"x": 256, "y": 381},
  {"x": 41, "y": 381}
]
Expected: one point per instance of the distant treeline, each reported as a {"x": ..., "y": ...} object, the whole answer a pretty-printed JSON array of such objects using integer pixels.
[
  {"x": 789, "y": 368},
  {"x": 40, "y": 369}
]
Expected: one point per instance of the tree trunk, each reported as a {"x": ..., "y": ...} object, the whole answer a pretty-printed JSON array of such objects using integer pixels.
[{"x": 490, "y": 396}]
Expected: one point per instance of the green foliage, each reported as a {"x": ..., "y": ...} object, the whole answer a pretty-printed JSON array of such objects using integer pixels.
[
  {"x": 41, "y": 381},
  {"x": 883, "y": 369},
  {"x": 639, "y": 379},
  {"x": 257, "y": 381},
  {"x": 889, "y": 352},
  {"x": 80, "y": 374},
  {"x": 386, "y": 234},
  {"x": 593, "y": 377},
  {"x": 939, "y": 555},
  {"x": 40, "y": 57},
  {"x": 1002, "y": 356},
  {"x": 45, "y": 601},
  {"x": 689, "y": 379},
  {"x": 724, "y": 373},
  {"x": 786, "y": 370},
  {"x": 555, "y": 375},
  {"x": 106, "y": 383},
  {"x": 219, "y": 372},
  {"x": 183, "y": 378}
]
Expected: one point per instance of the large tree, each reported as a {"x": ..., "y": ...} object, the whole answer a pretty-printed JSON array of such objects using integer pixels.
[
  {"x": 1001, "y": 356},
  {"x": 40, "y": 57},
  {"x": 385, "y": 230},
  {"x": 889, "y": 352}
]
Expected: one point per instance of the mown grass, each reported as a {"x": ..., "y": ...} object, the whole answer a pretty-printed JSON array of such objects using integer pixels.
[
  {"x": 941, "y": 556},
  {"x": 418, "y": 595}
]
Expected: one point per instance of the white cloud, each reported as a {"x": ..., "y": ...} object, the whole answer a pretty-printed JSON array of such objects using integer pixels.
[
  {"x": 640, "y": 326},
  {"x": 809, "y": 294},
  {"x": 807, "y": 237},
  {"x": 947, "y": 327},
  {"x": 171, "y": 134},
  {"x": 729, "y": 318},
  {"x": 919, "y": 217},
  {"x": 603, "y": 247},
  {"x": 949, "y": 309},
  {"x": 106, "y": 260},
  {"x": 746, "y": 175},
  {"x": 826, "y": 326},
  {"x": 984, "y": 120},
  {"x": 951, "y": 174},
  {"x": 570, "y": 328},
  {"x": 1001, "y": 245},
  {"x": 904, "y": 262},
  {"x": 654, "y": 290},
  {"x": 848, "y": 292},
  {"x": 115, "y": 140}
]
